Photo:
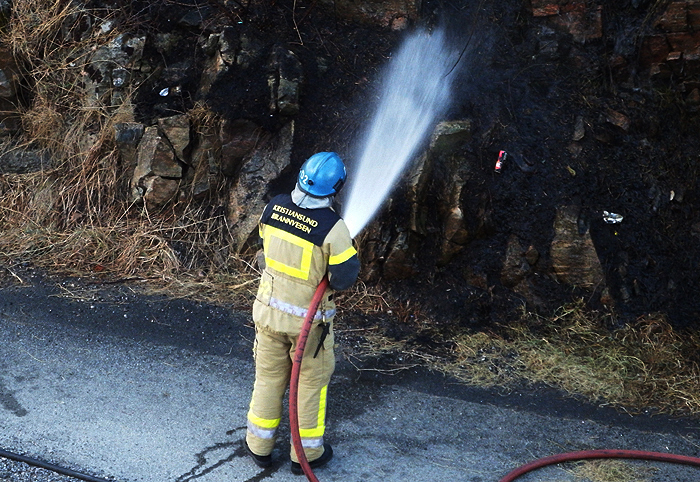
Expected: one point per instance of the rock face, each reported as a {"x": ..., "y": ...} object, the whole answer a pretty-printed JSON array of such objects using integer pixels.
[
  {"x": 206, "y": 161},
  {"x": 238, "y": 139},
  {"x": 583, "y": 20},
  {"x": 515, "y": 265},
  {"x": 438, "y": 175},
  {"x": 247, "y": 200},
  {"x": 573, "y": 255},
  {"x": 673, "y": 49},
  {"x": 108, "y": 73},
  {"x": 394, "y": 14},
  {"x": 127, "y": 136},
  {"x": 285, "y": 81},
  {"x": 158, "y": 171},
  {"x": 220, "y": 106}
]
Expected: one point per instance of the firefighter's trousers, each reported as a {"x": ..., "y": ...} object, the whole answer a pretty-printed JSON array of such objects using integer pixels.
[{"x": 273, "y": 353}]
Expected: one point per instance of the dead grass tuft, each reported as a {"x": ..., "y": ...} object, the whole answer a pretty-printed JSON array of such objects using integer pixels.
[
  {"x": 483, "y": 359},
  {"x": 645, "y": 365},
  {"x": 612, "y": 471},
  {"x": 363, "y": 299}
]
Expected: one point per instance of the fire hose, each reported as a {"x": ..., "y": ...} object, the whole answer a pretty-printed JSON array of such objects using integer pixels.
[
  {"x": 294, "y": 381},
  {"x": 536, "y": 464},
  {"x": 48, "y": 466},
  {"x": 600, "y": 454}
]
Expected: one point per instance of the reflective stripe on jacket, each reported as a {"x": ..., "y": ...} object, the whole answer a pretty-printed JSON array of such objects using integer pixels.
[{"x": 301, "y": 246}]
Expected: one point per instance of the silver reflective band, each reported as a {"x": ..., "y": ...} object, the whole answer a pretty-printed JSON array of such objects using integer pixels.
[
  {"x": 260, "y": 432},
  {"x": 312, "y": 443},
  {"x": 299, "y": 311}
]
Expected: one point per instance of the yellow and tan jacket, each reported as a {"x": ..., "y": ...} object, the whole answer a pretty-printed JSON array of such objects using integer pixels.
[{"x": 301, "y": 246}]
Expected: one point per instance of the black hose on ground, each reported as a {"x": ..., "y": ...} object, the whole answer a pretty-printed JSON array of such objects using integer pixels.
[
  {"x": 298, "y": 448},
  {"x": 600, "y": 454},
  {"x": 293, "y": 404},
  {"x": 48, "y": 466}
]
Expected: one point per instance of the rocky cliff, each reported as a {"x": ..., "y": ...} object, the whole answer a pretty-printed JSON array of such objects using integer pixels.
[{"x": 193, "y": 111}]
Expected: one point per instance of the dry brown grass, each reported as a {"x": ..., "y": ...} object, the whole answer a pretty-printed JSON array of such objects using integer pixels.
[
  {"x": 83, "y": 184},
  {"x": 611, "y": 471},
  {"x": 187, "y": 253},
  {"x": 76, "y": 216},
  {"x": 646, "y": 365}
]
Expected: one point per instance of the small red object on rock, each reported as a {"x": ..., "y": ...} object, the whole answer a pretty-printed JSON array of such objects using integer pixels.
[{"x": 501, "y": 157}]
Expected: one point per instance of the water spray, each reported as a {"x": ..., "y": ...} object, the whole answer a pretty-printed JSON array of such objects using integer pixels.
[{"x": 416, "y": 92}]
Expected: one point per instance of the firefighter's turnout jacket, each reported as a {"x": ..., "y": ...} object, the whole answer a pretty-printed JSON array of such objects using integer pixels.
[{"x": 300, "y": 247}]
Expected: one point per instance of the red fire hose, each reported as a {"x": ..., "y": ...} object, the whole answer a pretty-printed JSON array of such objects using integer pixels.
[
  {"x": 294, "y": 382},
  {"x": 536, "y": 464},
  {"x": 600, "y": 454}
]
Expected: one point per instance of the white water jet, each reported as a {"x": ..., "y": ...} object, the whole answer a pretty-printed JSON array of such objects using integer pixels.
[{"x": 415, "y": 93}]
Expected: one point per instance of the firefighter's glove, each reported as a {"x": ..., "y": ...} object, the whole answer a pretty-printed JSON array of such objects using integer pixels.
[{"x": 260, "y": 259}]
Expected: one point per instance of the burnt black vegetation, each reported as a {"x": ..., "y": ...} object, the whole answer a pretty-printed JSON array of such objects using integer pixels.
[{"x": 525, "y": 85}]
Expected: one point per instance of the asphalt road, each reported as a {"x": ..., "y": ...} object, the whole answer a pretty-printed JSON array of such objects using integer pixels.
[{"x": 134, "y": 388}]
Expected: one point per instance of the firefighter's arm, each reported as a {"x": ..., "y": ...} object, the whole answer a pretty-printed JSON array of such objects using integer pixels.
[
  {"x": 341, "y": 276},
  {"x": 343, "y": 262}
]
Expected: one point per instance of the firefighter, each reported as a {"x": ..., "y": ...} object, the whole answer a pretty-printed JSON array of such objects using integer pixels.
[{"x": 303, "y": 239}]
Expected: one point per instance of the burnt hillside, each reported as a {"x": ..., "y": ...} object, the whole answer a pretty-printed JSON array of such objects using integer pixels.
[{"x": 595, "y": 102}]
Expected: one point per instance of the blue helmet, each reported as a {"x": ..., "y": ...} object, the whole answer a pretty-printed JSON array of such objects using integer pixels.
[{"x": 322, "y": 175}]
